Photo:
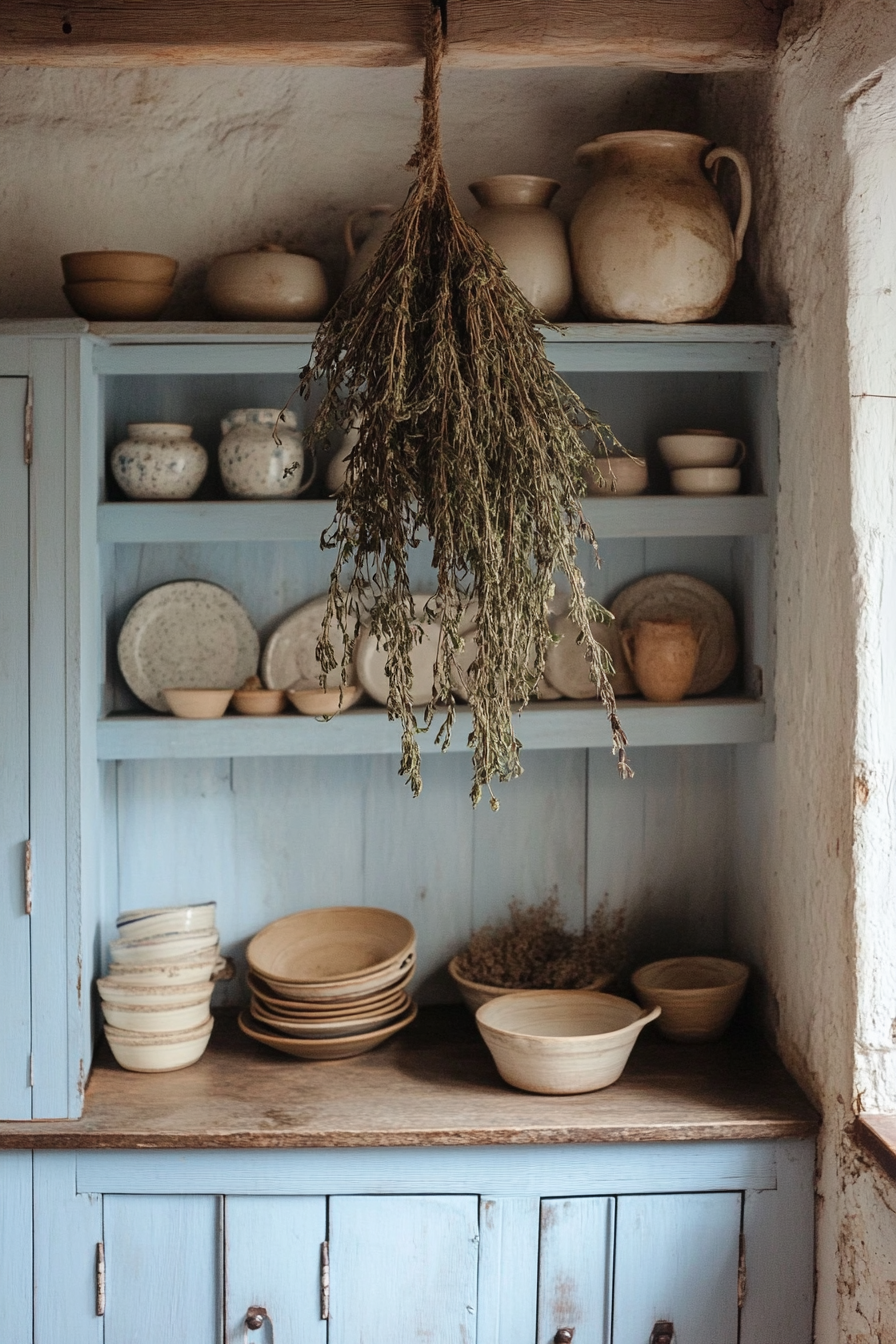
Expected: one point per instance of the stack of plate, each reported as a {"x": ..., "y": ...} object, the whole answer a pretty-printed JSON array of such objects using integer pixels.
[
  {"x": 331, "y": 983},
  {"x": 156, "y": 996}
]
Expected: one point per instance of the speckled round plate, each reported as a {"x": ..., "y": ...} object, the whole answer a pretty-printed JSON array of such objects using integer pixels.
[
  {"x": 290, "y": 654},
  {"x": 681, "y": 597},
  {"x": 189, "y": 634},
  {"x": 342, "y": 1048},
  {"x": 567, "y": 668}
]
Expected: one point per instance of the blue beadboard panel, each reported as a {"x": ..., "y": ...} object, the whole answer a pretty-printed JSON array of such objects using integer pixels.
[
  {"x": 677, "y": 1260},
  {"x": 163, "y": 1269},
  {"x": 508, "y": 1269},
  {"x": 527, "y": 1169},
  {"x": 67, "y": 1228},
  {"x": 16, "y": 1235},
  {"x": 15, "y": 926},
  {"x": 575, "y": 1269},
  {"x": 403, "y": 1268},
  {"x": 779, "y": 1246},
  {"x": 272, "y": 1259}
]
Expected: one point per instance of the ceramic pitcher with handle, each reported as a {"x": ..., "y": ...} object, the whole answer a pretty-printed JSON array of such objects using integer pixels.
[
  {"x": 374, "y": 222},
  {"x": 663, "y": 657},
  {"x": 650, "y": 240},
  {"x": 529, "y": 238}
]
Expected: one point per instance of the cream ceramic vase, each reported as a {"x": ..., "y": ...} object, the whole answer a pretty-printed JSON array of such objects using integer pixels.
[
  {"x": 530, "y": 239},
  {"x": 378, "y": 220},
  {"x": 253, "y": 463},
  {"x": 159, "y": 461},
  {"x": 650, "y": 240},
  {"x": 663, "y": 658}
]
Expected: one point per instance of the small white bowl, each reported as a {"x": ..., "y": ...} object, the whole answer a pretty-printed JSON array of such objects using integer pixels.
[
  {"x": 617, "y": 476},
  {"x": 706, "y": 480},
  {"x": 167, "y": 947},
  {"x": 561, "y": 1041},
  {"x": 113, "y": 989},
  {"x": 150, "y": 923},
  {"x": 152, "y": 1020},
  {"x": 195, "y": 971},
  {"x": 158, "y": 1054},
  {"x": 701, "y": 448}
]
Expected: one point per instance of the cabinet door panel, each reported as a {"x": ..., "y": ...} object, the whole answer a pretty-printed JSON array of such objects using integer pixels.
[
  {"x": 162, "y": 1269},
  {"x": 15, "y": 932},
  {"x": 403, "y": 1270},
  {"x": 575, "y": 1269},
  {"x": 676, "y": 1260},
  {"x": 272, "y": 1250}
]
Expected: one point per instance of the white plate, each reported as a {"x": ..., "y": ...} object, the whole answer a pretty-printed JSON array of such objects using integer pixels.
[
  {"x": 290, "y": 654},
  {"x": 681, "y": 597},
  {"x": 190, "y": 634},
  {"x": 543, "y": 691},
  {"x": 370, "y": 659},
  {"x": 567, "y": 668}
]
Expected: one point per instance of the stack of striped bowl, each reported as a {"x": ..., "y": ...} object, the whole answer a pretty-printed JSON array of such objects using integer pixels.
[
  {"x": 156, "y": 996},
  {"x": 331, "y": 983}
]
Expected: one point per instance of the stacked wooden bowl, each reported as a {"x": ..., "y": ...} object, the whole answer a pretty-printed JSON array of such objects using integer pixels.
[{"x": 331, "y": 983}]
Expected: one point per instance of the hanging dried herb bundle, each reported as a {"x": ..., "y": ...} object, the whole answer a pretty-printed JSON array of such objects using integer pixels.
[
  {"x": 468, "y": 435},
  {"x": 533, "y": 949}
]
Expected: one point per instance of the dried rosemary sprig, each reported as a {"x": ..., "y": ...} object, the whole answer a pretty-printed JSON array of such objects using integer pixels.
[{"x": 467, "y": 434}]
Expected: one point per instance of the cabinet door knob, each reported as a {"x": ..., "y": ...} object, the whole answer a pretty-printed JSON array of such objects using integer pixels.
[
  {"x": 255, "y": 1319},
  {"x": 564, "y": 1335},
  {"x": 662, "y": 1332}
]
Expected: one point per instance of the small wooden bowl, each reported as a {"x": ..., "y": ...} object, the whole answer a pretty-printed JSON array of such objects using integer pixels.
[
  {"x": 561, "y": 1041},
  {"x": 333, "y": 948},
  {"x": 259, "y": 702},
  {"x": 149, "y": 267},
  {"x": 321, "y": 703},
  {"x": 188, "y": 702},
  {"x": 475, "y": 994},
  {"x": 117, "y": 300},
  {"x": 698, "y": 995}
]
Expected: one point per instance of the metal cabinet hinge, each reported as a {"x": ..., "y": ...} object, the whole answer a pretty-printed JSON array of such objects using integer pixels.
[
  {"x": 29, "y": 883},
  {"x": 742, "y": 1272},
  {"x": 325, "y": 1280},
  {"x": 100, "y": 1278},
  {"x": 29, "y": 422}
]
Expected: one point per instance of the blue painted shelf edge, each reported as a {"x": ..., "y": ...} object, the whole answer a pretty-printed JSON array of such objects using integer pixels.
[{"x": 360, "y": 732}]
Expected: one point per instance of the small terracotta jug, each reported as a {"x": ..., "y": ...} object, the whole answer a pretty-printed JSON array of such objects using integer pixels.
[
  {"x": 527, "y": 236},
  {"x": 662, "y": 656}
]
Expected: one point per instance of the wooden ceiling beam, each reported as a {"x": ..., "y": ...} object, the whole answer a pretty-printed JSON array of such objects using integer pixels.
[{"x": 690, "y": 36}]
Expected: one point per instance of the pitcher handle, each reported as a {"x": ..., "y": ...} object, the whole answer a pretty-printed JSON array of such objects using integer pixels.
[
  {"x": 310, "y": 457},
  {"x": 348, "y": 232},
  {"x": 627, "y": 640},
  {"x": 746, "y": 189}
]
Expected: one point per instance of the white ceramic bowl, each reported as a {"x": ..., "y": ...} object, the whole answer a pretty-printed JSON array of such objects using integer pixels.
[
  {"x": 475, "y": 994},
  {"x": 706, "y": 480},
  {"x": 619, "y": 476},
  {"x": 700, "y": 448},
  {"x": 113, "y": 989},
  {"x": 267, "y": 285},
  {"x": 698, "y": 995},
  {"x": 195, "y": 971},
  {"x": 561, "y": 1041},
  {"x": 195, "y": 702},
  {"x": 158, "y": 1054},
  {"x": 150, "y": 922},
  {"x": 167, "y": 947},
  {"x": 153, "y": 1020}
]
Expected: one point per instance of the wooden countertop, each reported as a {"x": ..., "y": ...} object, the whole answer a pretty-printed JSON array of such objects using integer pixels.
[{"x": 434, "y": 1084}]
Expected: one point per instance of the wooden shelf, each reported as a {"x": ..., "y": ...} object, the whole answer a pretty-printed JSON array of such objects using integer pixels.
[
  {"x": 432, "y": 1085},
  {"x": 362, "y": 732},
  {"x": 305, "y": 520}
]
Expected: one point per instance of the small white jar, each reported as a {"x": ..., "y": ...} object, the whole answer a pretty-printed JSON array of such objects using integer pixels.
[
  {"x": 253, "y": 463},
  {"x": 159, "y": 461}
]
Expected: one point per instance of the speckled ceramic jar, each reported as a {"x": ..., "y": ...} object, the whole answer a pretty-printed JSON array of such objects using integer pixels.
[
  {"x": 253, "y": 463},
  {"x": 159, "y": 461}
]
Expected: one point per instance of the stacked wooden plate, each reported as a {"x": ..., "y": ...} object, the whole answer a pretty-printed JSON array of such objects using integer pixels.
[{"x": 331, "y": 983}]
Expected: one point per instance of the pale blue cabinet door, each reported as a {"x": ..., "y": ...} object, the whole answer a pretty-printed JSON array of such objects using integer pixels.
[
  {"x": 272, "y": 1259},
  {"x": 403, "y": 1269},
  {"x": 676, "y": 1260},
  {"x": 162, "y": 1269},
  {"x": 575, "y": 1267},
  {"x": 15, "y": 933}
]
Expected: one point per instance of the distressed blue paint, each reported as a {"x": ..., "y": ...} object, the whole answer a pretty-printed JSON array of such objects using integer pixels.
[
  {"x": 67, "y": 1227},
  {"x": 272, "y": 1258},
  {"x": 779, "y": 1244},
  {"x": 403, "y": 1268},
  {"x": 508, "y": 1269},
  {"x": 16, "y": 1232},
  {"x": 575, "y": 1269},
  {"x": 676, "y": 1260}
]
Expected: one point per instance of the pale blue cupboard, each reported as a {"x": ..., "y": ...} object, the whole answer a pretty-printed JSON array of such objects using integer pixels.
[{"x": 124, "y": 808}]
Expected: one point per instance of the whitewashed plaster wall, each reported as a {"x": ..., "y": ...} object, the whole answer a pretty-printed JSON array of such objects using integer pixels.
[
  {"x": 198, "y": 161},
  {"x": 816, "y": 910}
]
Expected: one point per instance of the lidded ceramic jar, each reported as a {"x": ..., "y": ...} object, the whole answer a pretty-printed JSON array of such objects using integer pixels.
[
  {"x": 251, "y": 460},
  {"x": 650, "y": 240},
  {"x": 267, "y": 284},
  {"x": 379, "y": 221},
  {"x": 159, "y": 461},
  {"x": 527, "y": 236}
]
